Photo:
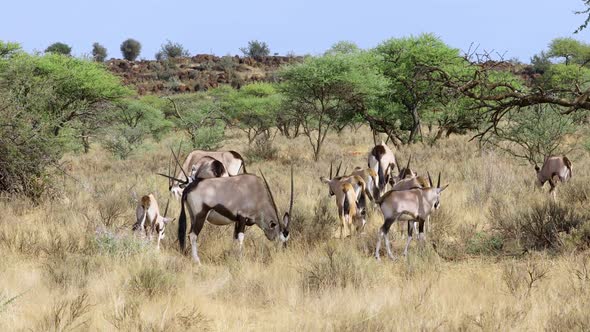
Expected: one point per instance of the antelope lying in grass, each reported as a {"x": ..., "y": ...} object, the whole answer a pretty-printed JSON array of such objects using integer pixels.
[
  {"x": 243, "y": 200},
  {"x": 149, "y": 219},
  {"x": 555, "y": 169},
  {"x": 407, "y": 205},
  {"x": 382, "y": 160},
  {"x": 231, "y": 160},
  {"x": 351, "y": 202}
]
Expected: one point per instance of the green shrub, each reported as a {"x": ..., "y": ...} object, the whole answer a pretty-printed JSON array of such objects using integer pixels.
[
  {"x": 130, "y": 49},
  {"x": 256, "y": 49},
  {"x": 152, "y": 281},
  {"x": 484, "y": 244},
  {"x": 171, "y": 50},
  {"x": 59, "y": 48},
  {"x": 99, "y": 52}
]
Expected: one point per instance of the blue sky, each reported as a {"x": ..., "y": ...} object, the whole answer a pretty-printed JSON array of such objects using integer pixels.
[{"x": 517, "y": 28}]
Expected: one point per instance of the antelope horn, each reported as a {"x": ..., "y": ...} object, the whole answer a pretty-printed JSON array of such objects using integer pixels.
[
  {"x": 429, "y": 179},
  {"x": 175, "y": 165},
  {"x": 438, "y": 182},
  {"x": 330, "y": 170},
  {"x": 399, "y": 171},
  {"x": 407, "y": 167},
  {"x": 166, "y": 209},
  {"x": 292, "y": 189},
  {"x": 178, "y": 163},
  {"x": 172, "y": 178},
  {"x": 338, "y": 169},
  {"x": 345, "y": 169},
  {"x": 272, "y": 199}
]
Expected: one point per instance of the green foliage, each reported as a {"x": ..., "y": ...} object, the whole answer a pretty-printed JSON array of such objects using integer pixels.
[
  {"x": 47, "y": 101},
  {"x": 130, "y": 49},
  {"x": 562, "y": 76},
  {"x": 323, "y": 92},
  {"x": 414, "y": 88},
  {"x": 255, "y": 49},
  {"x": 586, "y": 12},
  {"x": 343, "y": 47},
  {"x": 133, "y": 121},
  {"x": 59, "y": 48},
  {"x": 540, "y": 62},
  {"x": 253, "y": 109},
  {"x": 198, "y": 114},
  {"x": 171, "y": 50},
  {"x": 99, "y": 52},
  {"x": 567, "y": 48},
  {"x": 8, "y": 49},
  {"x": 533, "y": 133}
]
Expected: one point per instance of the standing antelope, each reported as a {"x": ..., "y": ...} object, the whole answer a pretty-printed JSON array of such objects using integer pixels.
[
  {"x": 371, "y": 181},
  {"x": 244, "y": 200},
  {"x": 382, "y": 160},
  {"x": 554, "y": 169},
  {"x": 231, "y": 160},
  {"x": 350, "y": 194},
  {"x": 407, "y": 205},
  {"x": 149, "y": 219}
]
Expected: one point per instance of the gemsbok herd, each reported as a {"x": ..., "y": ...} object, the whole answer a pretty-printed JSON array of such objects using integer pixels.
[{"x": 215, "y": 187}]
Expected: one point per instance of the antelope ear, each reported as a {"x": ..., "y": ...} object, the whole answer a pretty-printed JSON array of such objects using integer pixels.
[
  {"x": 537, "y": 168},
  {"x": 286, "y": 219},
  {"x": 443, "y": 188},
  {"x": 166, "y": 220},
  {"x": 324, "y": 179}
]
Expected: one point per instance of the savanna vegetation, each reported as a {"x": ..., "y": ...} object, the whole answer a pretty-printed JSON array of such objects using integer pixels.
[{"x": 500, "y": 255}]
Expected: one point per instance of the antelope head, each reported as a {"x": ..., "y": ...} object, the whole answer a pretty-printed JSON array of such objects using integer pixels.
[
  {"x": 162, "y": 221},
  {"x": 436, "y": 191},
  {"x": 332, "y": 177},
  {"x": 278, "y": 227},
  {"x": 176, "y": 186}
]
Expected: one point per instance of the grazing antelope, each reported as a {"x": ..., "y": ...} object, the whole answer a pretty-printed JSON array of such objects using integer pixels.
[
  {"x": 350, "y": 194},
  {"x": 149, "y": 219},
  {"x": 371, "y": 181},
  {"x": 231, "y": 160},
  {"x": 382, "y": 160},
  {"x": 244, "y": 200},
  {"x": 554, "y": 169},
  {"x": 407, "y": 205}
]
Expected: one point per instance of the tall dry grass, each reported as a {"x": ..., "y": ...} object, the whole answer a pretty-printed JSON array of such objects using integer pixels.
[{"x": 71, "y": 263}]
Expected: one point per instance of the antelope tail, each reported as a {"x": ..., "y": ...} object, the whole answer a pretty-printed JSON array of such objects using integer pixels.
[
  {"x": 568, "y": 164},
  {"x": 182, "y": 223}
]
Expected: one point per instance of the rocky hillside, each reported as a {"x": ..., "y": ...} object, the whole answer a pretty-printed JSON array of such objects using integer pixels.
[{"x": 197, "y": 73}]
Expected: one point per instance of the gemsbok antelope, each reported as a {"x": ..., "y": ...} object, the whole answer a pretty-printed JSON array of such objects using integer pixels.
[
  {"x": 231, "y": 160},
  {"x": 407, "y": 205},
  {"x": 554, "y": 169},
  {"x": 382, "y": 160},
  {"x": 149, "y": 219},
  {"x": 351, "y": 201},
  {"x": 371, "y": 181},
  {"x": 244, "y": 200}
]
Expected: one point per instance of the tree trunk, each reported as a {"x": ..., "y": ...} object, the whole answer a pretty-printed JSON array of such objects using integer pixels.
[{"x": 415, "y": 125}]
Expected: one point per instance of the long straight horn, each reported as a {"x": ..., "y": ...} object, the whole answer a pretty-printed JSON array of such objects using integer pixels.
[
  {"x": 178, "y": 163},
  {"x": 272, "y": 199},
  {"x": 399, "y": 171},
  {"x": 338, "y": 169},
  {"x": 170, "y": 182},
  {"x": 407, "y": 167},
  {"x": 292, "y": 196},
  {"x": 438, "y": 182},
  {"x": 166, "y": 209},
  {"x": 345, "y": 169},
  {"x": 330, "y": 170},
  {"x": 429, "y": 178},
  {"x": 172, "y": 178},
  {"x": 175, "y": 169}
]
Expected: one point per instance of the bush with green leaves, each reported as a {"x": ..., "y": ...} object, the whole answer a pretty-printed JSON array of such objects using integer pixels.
[
  {"x": 198, "y": 114},
  {"x": 99, "y": 52},
  {"x": 130, "y": 49},
  {"x": 330, "y": 91},
  {"x": 133, "y": 121},
  {"x": 46, "y": 102},
  {"x": 256, "y": 49},
  {"x": 59, "y": 48},
  {"x": 171, "y": 50},
  {"x": 533, "y": 133}
]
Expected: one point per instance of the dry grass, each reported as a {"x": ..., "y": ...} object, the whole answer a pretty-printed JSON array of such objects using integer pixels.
[{"x": 72, "y": 264}]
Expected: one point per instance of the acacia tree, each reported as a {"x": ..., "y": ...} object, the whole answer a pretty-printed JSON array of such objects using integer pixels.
[
  {"x": 323, "y": 91},
  {"x": 252, "y": 109},
  {"x": 46, "y": 101},
  {"x": 413, "y": 87}
]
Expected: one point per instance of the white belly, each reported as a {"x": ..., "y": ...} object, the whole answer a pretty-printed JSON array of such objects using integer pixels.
[{"x": 217, "y": 219}]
